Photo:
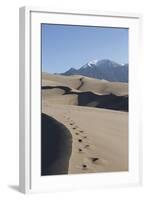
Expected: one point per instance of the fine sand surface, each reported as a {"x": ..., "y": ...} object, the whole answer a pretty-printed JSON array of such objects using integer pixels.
[
  {"x": 87, "y": 138},
  {"x": 89, "y": 84}
]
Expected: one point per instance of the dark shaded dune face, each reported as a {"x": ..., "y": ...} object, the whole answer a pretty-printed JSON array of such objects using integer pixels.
[
  {"x": 56, "y": 146},
  {"x": 109, "y": 101},
  {"x": 114, "y": 102},
  {"x": 66, "y": 89},
  {"x": 91, "y": 99}
]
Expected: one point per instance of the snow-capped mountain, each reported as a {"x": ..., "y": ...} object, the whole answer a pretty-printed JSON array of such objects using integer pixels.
[{"x": 102, "y": 69}]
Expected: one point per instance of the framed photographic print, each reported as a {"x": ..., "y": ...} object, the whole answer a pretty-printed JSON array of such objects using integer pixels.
[{"x": 79, "y": 108}]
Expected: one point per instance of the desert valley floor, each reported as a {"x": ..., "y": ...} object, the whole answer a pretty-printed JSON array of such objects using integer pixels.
[{"x": 84, "y": 125}]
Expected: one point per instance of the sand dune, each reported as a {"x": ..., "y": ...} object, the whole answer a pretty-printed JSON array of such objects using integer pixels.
[
  {"x": 83, "y": 83},
  {"x": 68, "y": 96},
  {"x": 97, "y": 138},
  {"x": 104, "y": 87},
  {"x": 97, "y": 134},
  {"x": 56, "y": 147},
  {"x": 69, "y": 81}
]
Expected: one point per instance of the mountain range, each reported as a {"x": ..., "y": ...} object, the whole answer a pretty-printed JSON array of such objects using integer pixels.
[{"x": 102, "y": 69}]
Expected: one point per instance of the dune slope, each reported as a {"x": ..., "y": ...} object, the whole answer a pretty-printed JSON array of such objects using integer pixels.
[
  {"x": 97, "y": 134},
  {"x": 88, "y": 92},
  {"x": 84, "y": 84},
  {"x": 88, "y": 113}
]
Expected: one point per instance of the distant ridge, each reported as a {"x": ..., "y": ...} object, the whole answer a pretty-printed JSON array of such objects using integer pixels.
[
  {"x": 102, "y": 69},
  {"x": 91, "y": 99},
  {"x": 83, "y": 91}
]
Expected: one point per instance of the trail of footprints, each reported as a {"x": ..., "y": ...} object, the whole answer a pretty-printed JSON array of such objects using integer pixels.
[{"x": 83, "y": 142}]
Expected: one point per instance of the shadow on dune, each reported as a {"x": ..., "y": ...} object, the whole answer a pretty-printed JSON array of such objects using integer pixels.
[
  {"x": 65, "y": 88},
  {"x": 56, "y": 147},
  {"x": 107, "y": 101}
]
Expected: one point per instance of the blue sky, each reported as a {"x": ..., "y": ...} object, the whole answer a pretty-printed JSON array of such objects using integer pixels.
[{"x": 66, "y": 46}]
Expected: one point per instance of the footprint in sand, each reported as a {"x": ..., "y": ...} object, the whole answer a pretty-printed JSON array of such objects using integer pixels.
[
  {"x": 87, "y": 146},
  {"x": 81, "y": 131},
  {"x": 77, "y": 133},
  {"x": 72, "y": 123},
  {"x": 84, "y": 166},
  {"x": 84, "y": 137},
  {"x": 80, "y": 150},
  {"x": 94, "y": 159},
  {"x": 74, "y": 128},
  {"x": 80, "y": 140}
]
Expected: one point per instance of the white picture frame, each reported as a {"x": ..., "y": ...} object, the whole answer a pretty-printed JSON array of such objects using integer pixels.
[{"x": 30, "y": 178}]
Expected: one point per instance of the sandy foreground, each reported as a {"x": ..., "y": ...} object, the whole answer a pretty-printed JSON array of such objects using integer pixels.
[
  {"x": 104, "y": 135},
  {"x": 99, "y": 136}
]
